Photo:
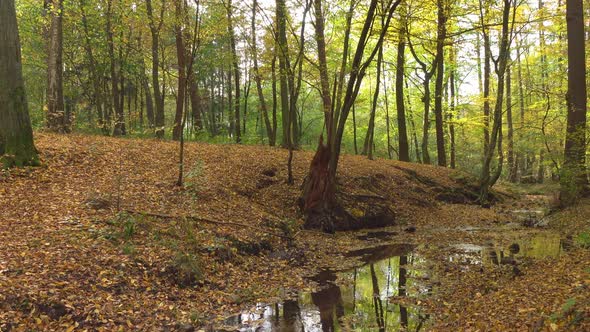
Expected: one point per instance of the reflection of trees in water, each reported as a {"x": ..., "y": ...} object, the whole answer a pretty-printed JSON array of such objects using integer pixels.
[
  {"x": 329, "y": 302},
  {"x": 401, "y": 290},
  {"x": 377, "y": 303},
  {"x": 361, "y": 305},
  {"x": 291, "y": 314}
]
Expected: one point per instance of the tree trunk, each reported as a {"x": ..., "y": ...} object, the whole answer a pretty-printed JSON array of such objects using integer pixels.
[
  {"x": 520, "y": 157},
  {"x": 368, "y": 146},
  {"x": 247, "y": 86},
  {"x": 404, "y": 150},
  {"x": 236, "y": 70},
  {"x": 541, "y": 172},
  {"x": 486, "y": 180},
  {"x": 337, "y": 105},
  {"x": 158, "y": 97},
  {"x": 452, "y": 78},
  {"x": 390, "y": 147},
  {"x": 428, "y": 73},
  {"x": 16, "y": 135},
  {"x": 119, "y": 128},
  {"x": 486, "y": 93},
  {"x": 426, "y": 124},
  {"x": 57, "y": 120},
  {"x": 412, "y": 123},
  {"x": 196, "y": 108},
  {"x": 94, "y": 76},
  {"x": 511, "y": 160},
  {"x": 283, "y": 51},
  {"x": 483, "y": 5},
  {"x": 574, "y": 180},
  {"x": 274, "y": 94},
  {"x": 319, "y": 191},
  {"x": 262, "y": 102},
  {"x": 181, "y": 59},
  {"x": 438, "y": 91}
]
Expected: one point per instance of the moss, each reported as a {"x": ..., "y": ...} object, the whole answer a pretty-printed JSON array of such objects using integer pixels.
[{"x": 16, "y": 140}]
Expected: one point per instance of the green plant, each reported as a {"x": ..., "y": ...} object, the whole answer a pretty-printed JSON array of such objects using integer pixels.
[
  {"x": 288, "y": 227},
  {"x": 128, "y": 228},
  {"x": 565, "y": 310},
  {"x": 186, "y": 268},
  {"x": 194, "y": 177},
  {"x": 196, "y": 317},
  {"x": 129, "y": 249},
  {"x": 583, "y": 239}
]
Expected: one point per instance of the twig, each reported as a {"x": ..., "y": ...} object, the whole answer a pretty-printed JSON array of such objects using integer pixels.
[{"x": 205, "y": 220}]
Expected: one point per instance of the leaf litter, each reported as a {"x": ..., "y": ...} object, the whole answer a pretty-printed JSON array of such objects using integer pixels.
[{"x": 73, "y": 259}]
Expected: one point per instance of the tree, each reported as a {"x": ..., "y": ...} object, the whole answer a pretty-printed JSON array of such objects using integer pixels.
[
  {"x": 284, "y": 67},
  {"x": 155, "y": 27},
  {"x": 487, "y": 179},
  {"x": 181, "y": 59},
  {"x": 574, "y": 181},
  {"x": 236, "y": 71},
  {"x": 404, "y": 150},
  {"x": 16, "y": 134},
  {"x": 428, "y": 74},
  {"x": 119, "y": 128},
  {"x": 97, "y": 94},
  {"x": 442, "y": 7},
  {"x": 270, "y": 131},
  {"x": 319, "y": 190},
  {"x": 57, "y": 119},
  {"x": 368, "y": 146}
]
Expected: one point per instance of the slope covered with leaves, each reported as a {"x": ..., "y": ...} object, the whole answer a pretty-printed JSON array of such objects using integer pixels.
[{"x": 100, "y": 238}]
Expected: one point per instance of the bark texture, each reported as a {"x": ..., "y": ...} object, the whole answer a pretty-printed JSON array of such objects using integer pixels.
[{"x": 16, "y": 135}]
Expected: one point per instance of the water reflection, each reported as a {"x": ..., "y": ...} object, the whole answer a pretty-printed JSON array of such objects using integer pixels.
[
  {"x": 382, "y": 293},
  {"x": 541, "y": 245},
  {"x": 356, "y": 300}
]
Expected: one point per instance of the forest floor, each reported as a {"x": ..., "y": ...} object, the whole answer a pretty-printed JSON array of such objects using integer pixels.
[{"x": 100, "y": 238}]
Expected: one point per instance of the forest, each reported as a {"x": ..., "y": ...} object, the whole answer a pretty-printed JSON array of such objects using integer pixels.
[{"x": 294, "y": 165}]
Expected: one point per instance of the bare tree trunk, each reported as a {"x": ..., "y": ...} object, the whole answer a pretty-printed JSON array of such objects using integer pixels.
[
  {"x": 486, "y": 94},
  {"x": 520, "y": 158},
  {"x": 284, "y": 65},
  {"x": 404, "y": 150},
  {"x": 438, "y": 91},
  {"x": 486, "y": 180},
  {"x": 155, "y": 28},
  {"x": 412, "y": 123},
  {"x": 262, "y": 102},
  {"x": 94, "y": 76},
  {"x": 387, "y": 120},
  {"x": 247, "y": 86},
  {"x": 452, "y": 78},
  {"x": 117, "y": 100},
  {"x": 196, "y": 107},
  {"x": 337, "y": 105},
  {"x": 428, "y": 73},
  {"x": 274, "y": 93},
  {"x": 511, "y": 160},
  {"x": 56, "y": 115},
  {"x": 574, "y": 180},
  {"x": 368, "y": 146},
  {"x": 16, "y": 134},
  {"x": 236, "y": 69},
  {"x": 181, "y": 58},
  {"x": 541, "y": 172}
]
